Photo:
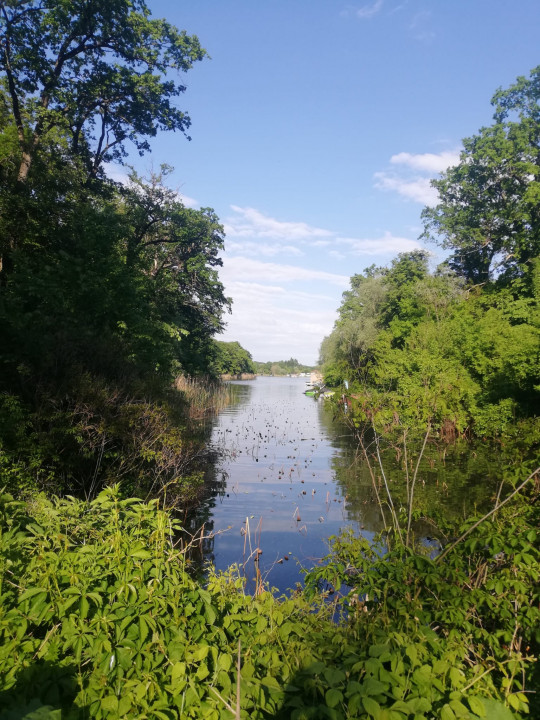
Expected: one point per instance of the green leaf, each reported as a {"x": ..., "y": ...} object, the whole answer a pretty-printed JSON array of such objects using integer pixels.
[
  {"x": 270, "y": 682},
  {"x": 376, "y": 651},
  {"x": 333, "y": 697},
  {"x": 110, "y": 703},
  {"x": 495, "y": 710},
  {"x": 31, "y": 592},
  {"x": 476, "y": 705},
  {"x": 372, "y": 707}
]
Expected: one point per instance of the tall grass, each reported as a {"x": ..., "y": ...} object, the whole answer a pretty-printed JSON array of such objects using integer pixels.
[{"x": 204, "y": 396}]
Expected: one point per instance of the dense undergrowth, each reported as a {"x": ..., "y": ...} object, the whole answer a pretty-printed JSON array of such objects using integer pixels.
[{"x": 100, "y": 618}]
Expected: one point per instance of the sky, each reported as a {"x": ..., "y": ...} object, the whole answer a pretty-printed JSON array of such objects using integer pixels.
[{"x": 316, "y": 128}]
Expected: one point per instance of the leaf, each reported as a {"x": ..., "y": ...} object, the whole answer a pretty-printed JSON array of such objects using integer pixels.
[
  {"x": 457, "y": 678},
  {"x": 495, "y": 710},
  {"x": 476, "y": 705},
  {"x": 372, "y": 707},
  {"x": 225, "y": 662},
  {"x": 412, "y": 654},
  {"x": 110, "y": 703},
  {"x": 143, "y": 554},
  {"x": 31, "y": 592},
  {"x": 333, "y": 697},
  {"x": 270, "y": 682},
  {"x": 178, "y": 671},
  {"x": 447, "y": 713},
  {"x": 376, "y": 651}
]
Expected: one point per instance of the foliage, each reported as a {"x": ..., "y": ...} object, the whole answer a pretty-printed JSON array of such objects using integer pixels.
[
  {"x": 232, "y": 359},
  {"x": 281, "y": 367},
  {"x": 96, "y": 71},
  {"x": 107, "y": 291},
  {"x": 488, "y": 204},
  {"x": 458, "y": 348},
  {"x": 99, "y": 617},
  {"x": 446, "y": 633}
]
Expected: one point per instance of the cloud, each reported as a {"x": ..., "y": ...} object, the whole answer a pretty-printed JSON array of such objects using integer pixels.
[
  {"x": 413, "y": 181},
  {"x": 366, "y": 11},
  {"x": 188, "y": 201},
  {"x": 418, "y": 189},
  {"x": 242, "y": 268},
  {"x": 280, "y": 308},
  {"x": 258, "y": 249},
  {"x": 420, "y": 27},
  {"x": 274, "y": 322},
  {"x": 387, "y": 244},
  {"x": 248, "y": 222},
  {"x": 429, "y": 162}
]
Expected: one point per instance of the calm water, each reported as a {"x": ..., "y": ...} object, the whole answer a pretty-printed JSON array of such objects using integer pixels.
[{"x": 287, "y": 476}]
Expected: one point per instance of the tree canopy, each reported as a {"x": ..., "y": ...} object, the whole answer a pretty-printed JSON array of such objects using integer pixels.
[
  {"x": 488, "y": 213},
  {"x": 108, "y": 291},
  {"x": 97, "y": 72}
]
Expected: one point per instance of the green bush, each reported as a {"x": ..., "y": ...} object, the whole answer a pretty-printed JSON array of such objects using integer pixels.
[{"x": 100, "y": 618}]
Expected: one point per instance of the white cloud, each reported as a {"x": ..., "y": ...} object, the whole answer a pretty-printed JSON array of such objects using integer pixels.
[
  {"x": 387, "y": 244},
  {"x": 258, "y": 249},
  {"x": 273, "y": 322},
  {"x": 413, "y": 181},
  {"x": 421, "y": 27},
  {"x": 188, "y": 201},
  {"x": 418, "y": 189},
  {"x": 366, "y": 11},
  {"x": 281, "y": 309},
  {"x": 429, "y": 162},
  {"x": 242, "y": 268},
  {"x": 248, "y": 222}
]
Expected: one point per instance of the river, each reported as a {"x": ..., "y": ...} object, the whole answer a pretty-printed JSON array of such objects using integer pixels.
[{"x": 288, "y": 476}]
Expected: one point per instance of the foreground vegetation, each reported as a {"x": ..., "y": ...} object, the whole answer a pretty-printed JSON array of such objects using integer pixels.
[{"x": 100, "y": 618}]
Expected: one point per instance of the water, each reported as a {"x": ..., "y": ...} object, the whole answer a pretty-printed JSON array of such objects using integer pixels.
[{"x": 288, "y": 475}]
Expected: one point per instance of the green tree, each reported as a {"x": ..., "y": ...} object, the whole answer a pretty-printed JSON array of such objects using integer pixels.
[
  {"x": 232, "y": 359},
  {"x": 488, "y": 213},
  {"x": 106, "y": 291},
  {"x": 97, "y": 70}
]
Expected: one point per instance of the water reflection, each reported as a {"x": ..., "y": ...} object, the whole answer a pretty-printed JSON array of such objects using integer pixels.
[
  {"x": 287, "y": 475},
  {"x": 273, "y": 486}
]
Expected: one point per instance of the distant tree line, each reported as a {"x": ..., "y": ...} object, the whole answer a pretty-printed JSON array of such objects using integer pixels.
[{"x": 281, "y": 367}]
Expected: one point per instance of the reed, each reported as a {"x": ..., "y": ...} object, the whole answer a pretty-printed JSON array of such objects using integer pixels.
[{"x": 204, "y": 397}]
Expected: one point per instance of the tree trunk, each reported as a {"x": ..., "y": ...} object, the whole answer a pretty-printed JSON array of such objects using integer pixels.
[{"x": 24, "y": 168}]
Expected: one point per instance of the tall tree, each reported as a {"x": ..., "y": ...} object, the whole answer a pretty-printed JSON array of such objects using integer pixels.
[
  {"x": 488, "y": 213},
  {"x": 95, "y": 70}
]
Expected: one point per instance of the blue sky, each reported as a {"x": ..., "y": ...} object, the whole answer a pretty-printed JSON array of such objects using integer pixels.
[{"x": 316, "y": 126}]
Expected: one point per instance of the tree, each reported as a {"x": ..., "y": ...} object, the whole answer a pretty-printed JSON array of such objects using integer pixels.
[
  {"x": 107, "y": 292},
  {"x": 489, "y": 204},
  {"x": 177, "y": 249},
  {"x": 97, "y": 70},
  {"x": 232, "y": 359}
]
